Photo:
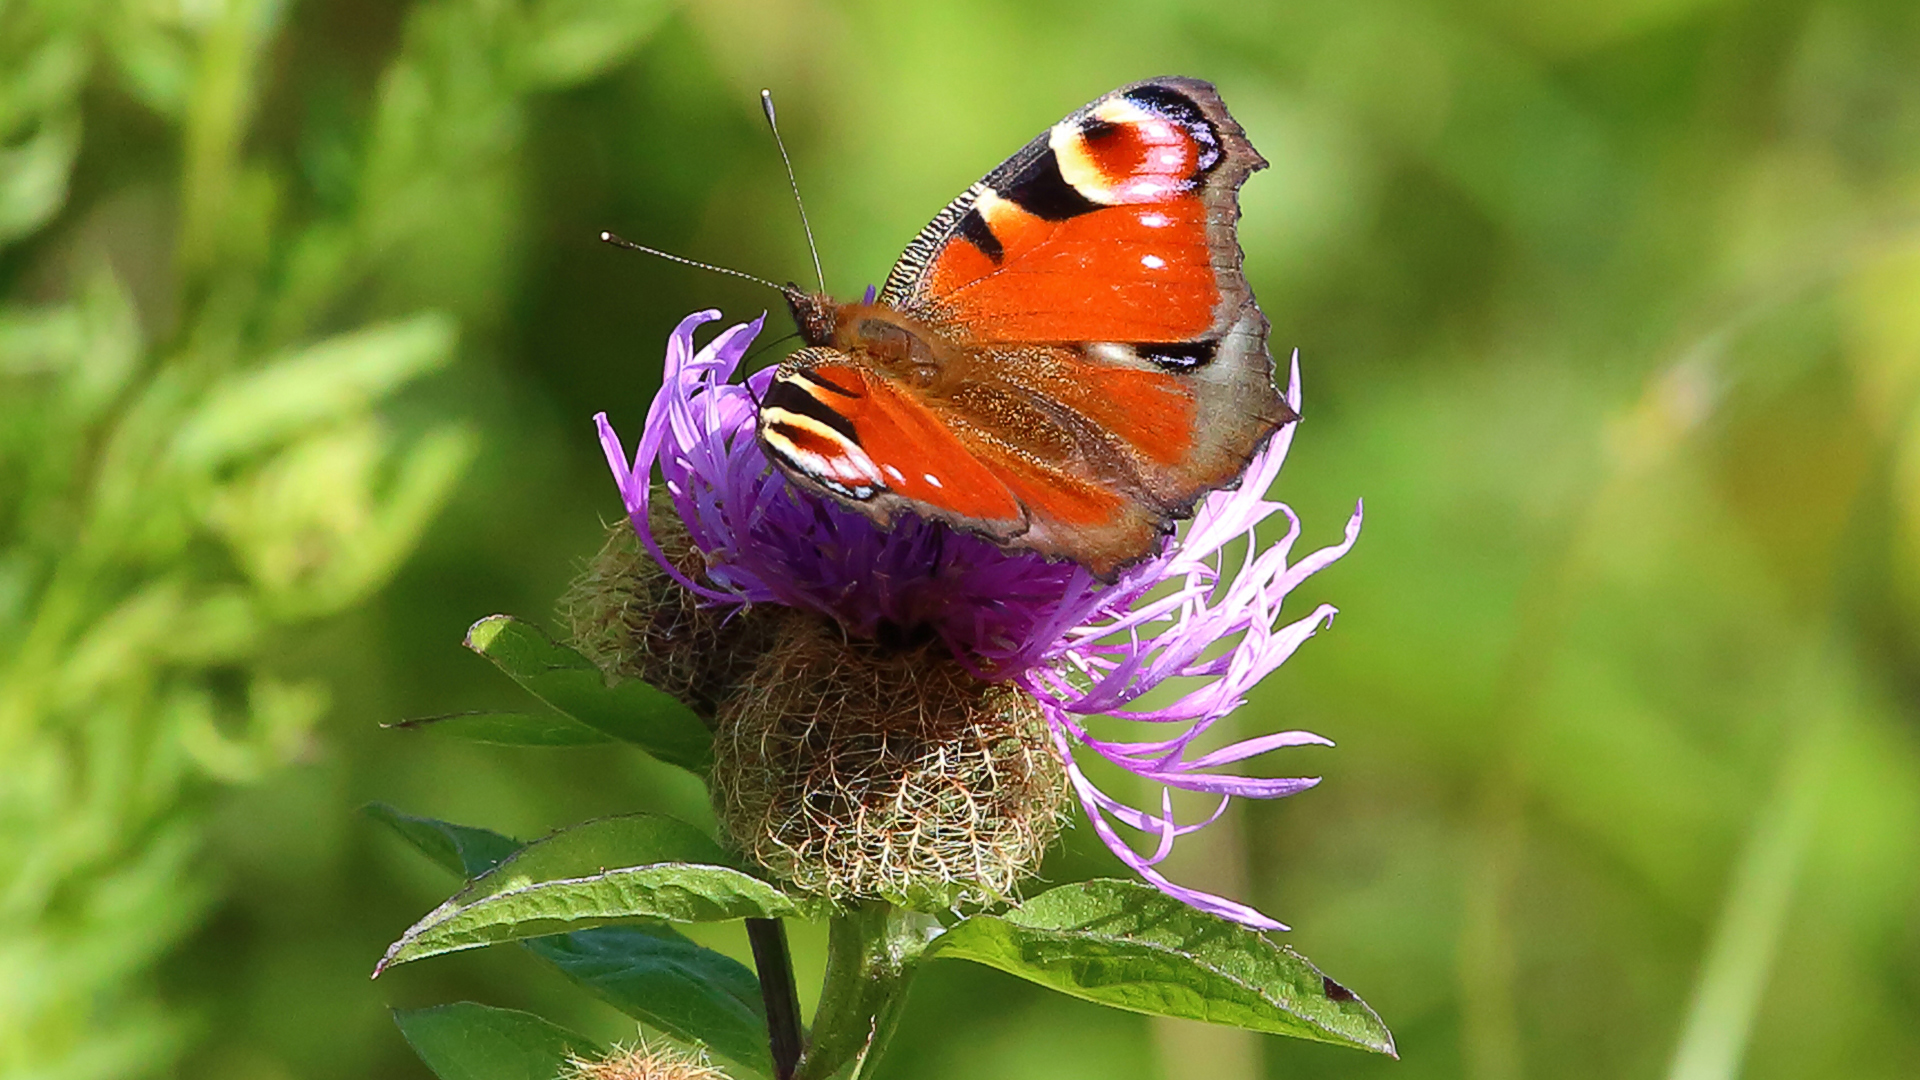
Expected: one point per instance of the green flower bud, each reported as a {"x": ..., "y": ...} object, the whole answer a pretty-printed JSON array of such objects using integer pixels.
[
  {"x": 635, "y": 622},
  {"x": 852, "y": 769}
]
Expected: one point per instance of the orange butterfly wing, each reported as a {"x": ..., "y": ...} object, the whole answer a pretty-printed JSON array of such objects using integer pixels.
[{"x": 1072, "y": 340}]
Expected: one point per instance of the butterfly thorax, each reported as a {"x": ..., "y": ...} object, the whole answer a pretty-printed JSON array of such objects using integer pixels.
[{"x": 885, "y": 339}]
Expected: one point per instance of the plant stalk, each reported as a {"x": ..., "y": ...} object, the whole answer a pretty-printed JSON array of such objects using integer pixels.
[
  {"x": 775, "y": 964},
  {"x": 872, "y": 952}
]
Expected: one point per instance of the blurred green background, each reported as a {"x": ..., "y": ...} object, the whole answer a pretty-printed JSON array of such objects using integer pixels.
[{"x": 1611, "y": 312}]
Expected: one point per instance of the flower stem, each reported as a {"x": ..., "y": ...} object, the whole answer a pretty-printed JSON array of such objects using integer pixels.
[
  {"x": 775, "y": 963},
  {"x": 872, "y": 951}
]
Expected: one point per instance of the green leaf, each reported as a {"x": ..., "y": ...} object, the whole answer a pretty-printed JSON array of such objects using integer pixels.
[
  {"x": 629, "y": 710},
  {"x": 652, "y": 973},
  {"x": 469, "y": 1041},
  {"x": 613, "y": 870},
  {"x": 509, "y": 729},
  {"x": 1127, "y": 945},
  {"x": 659, "y": 977},
  {"x": 460, "y": 849}
]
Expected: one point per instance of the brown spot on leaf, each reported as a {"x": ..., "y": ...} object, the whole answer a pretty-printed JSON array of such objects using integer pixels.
[{"x": 1336, "y": 992}]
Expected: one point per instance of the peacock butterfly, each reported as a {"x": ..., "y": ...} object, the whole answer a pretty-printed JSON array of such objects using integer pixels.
[{"x": 1066, "y": 359}]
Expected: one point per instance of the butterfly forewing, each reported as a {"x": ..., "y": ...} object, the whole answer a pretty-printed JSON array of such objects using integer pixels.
[
  {"x": 1117, "y": 224},
  {"x": 822, "y": 413}
]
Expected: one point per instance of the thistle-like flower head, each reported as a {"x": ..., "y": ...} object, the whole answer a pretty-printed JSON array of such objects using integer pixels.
[
  {"x": 642, "y": 1061},
  {"x": 1081, "y": 647}
]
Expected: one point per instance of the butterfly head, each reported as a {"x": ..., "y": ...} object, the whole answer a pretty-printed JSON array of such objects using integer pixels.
[{"x": 815, "y": 315}]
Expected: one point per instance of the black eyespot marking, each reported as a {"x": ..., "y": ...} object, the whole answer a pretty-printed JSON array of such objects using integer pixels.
[
  {"x": 1179, "y": 355},
  {"x": 1040, "y": 190},
  {"x": 1093, "y": 129},
  {"x": 1179, "y": 108},
  {"x": 784, "y": 394},
  {"x": 975, "y": 230}
]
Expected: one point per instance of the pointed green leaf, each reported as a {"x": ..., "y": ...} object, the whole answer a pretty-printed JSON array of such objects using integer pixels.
[
  {"x": 631, "y": 710},
  {"x": 641, "y": 866},
  {"x": 1130, "y": 946},
  {"x": 461, "y": 849},
  {"x": 657, "y": 976},
  {"x": 469, "y": 1041},
  {"x": 652, "y": 973},
  {"x": 509, "y": 728}
]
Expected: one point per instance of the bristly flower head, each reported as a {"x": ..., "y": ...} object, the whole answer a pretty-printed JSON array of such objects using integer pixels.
[
  {"x": 644, "y": 1062},
  {"x": 1082, "y": 648}
]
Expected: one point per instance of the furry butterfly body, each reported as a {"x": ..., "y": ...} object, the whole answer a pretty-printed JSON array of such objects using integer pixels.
[{"x": 1066, "y": 359}]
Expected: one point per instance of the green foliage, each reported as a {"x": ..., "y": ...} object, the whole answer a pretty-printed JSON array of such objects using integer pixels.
[
  {"x": 617, "y": 869},
  {"x": 199, "y": 452},
  {"x": 461, "y": 850},
  {"x": 1130, "y": 946},
  {"x": 629, "y": 710},
  {"x": 169, "y": 502},
  {"x": 658, "y": 977},
  {"x": 650, "y": 972},
  {"x": 466, "y": 1041},
  {"x": 1116, "y": 943}
]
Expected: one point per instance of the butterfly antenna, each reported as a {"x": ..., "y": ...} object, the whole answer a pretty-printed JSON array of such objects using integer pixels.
[
  {"x": 766, "y": 104},
  {"x": 616, "y": 241}
]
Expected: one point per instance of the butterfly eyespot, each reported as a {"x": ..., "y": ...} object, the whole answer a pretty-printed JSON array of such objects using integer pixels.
[{"x": 1179, "y": 109}]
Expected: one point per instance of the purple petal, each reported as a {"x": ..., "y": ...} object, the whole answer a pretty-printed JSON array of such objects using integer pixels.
[
  {"x": 1207, "y": 902},
  {"x": 1246, "y": 787},
  {"x": 1254, "y": 747}
]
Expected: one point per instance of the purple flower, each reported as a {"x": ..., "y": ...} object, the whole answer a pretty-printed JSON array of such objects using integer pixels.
[{"x": 1083, "y": 648}]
